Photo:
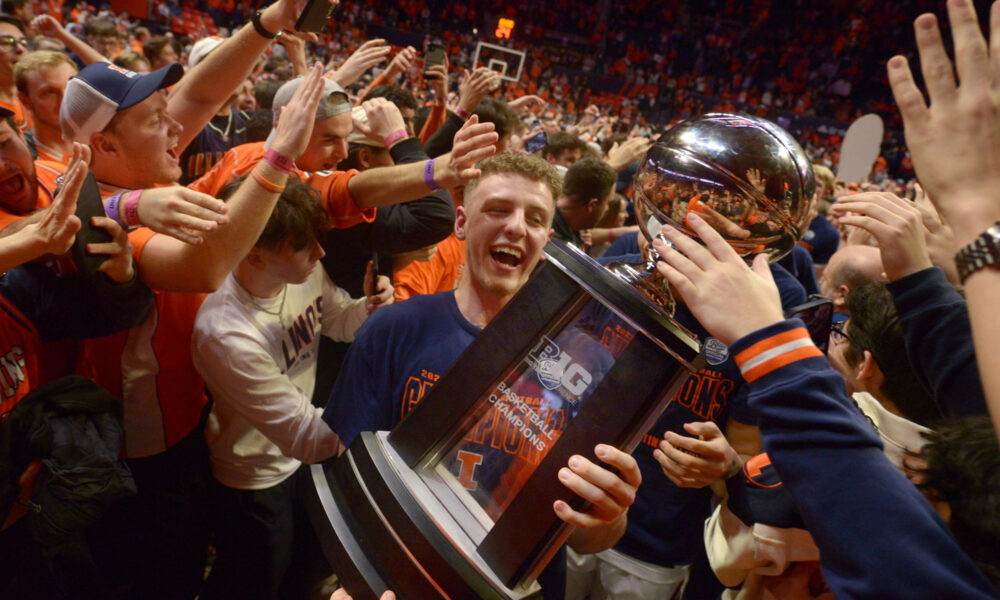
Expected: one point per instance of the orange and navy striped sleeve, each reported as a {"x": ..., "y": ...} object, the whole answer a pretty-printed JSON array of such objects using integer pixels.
[{"x": 773, "y": 348}]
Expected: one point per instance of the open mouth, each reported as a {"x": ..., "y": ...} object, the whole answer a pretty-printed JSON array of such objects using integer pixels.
[
  {"x": 172, "y": 153},
  {"x": 13, "y": 184},
  {"x": 507, "y": 256}
]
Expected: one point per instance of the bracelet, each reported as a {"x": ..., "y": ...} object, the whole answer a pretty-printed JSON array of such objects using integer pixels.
[
  {"x": 429, "y": 175},
  {"x": 130, "y": 209},
  {"x": 260, "y": 28},
  {"x": 611, "y": 235},
  {"x": 262, "y": 181},
  {"x": 461, "y": 112},
  {"x": 111, "y": 209},
  {"x": 395, "y": 136},
  {"x": 279, "y": 161}
]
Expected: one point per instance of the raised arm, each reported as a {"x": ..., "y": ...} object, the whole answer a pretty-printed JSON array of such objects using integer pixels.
[
  {"x": 198, "y": 96},
  {"x": 169, "y": 264},
  {"x": 390, "y": 185},
  {"x": 52, "y": 229},
  {"x": 955, "y": 145},
  {"x": 364, "y": 58},
  {"x": 49, "y": 26},
  {"x": 295, "y": 47}
]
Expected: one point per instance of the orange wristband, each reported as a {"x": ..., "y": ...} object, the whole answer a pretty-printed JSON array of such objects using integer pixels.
[{"x": 267, "y": 185}]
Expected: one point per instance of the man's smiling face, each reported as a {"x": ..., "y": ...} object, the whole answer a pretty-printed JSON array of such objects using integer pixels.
[{"x": 506, "y": 222}]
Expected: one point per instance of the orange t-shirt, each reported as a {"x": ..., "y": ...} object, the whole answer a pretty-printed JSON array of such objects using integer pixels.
[
  {"x": 46, "y": 173},
  {"x": 332, "y": 185},
  {"x": 51, "y": 155},
  {"x": 149, "y": 367},
  {"x": 22, "y": 118},
  {"x": 20, "y": 345},
  {"x": 440, "y": 274}
]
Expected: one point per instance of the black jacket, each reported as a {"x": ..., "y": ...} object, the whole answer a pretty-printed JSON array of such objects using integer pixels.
[{"x": 73, "y": 427}]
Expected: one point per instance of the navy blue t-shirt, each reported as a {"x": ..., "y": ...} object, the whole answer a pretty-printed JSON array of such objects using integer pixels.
[
  {"x": 800, "y": 264},
  {"x": 626, "y": 244},
  {"x": 821, "y": 240},
  {"x": 220, "y": 135}
]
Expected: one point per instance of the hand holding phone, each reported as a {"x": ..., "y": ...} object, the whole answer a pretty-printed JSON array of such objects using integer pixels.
[
  {"x": 433, "y": 57},
  {"x": 378, "y": 288},
  {"x": 372, "y": 277},
  {"x": 88, "y": 205},
  {"x": 535, "y": 143},
  {"x": 314, "y": 16}
]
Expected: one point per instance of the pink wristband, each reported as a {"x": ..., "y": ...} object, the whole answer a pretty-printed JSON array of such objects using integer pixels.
[
  {"x": 395, "y": 136},
  {"x": 130, "y": 209},
  {"x": 462, "y": 113},
  {"x": 279, "y": 161}
]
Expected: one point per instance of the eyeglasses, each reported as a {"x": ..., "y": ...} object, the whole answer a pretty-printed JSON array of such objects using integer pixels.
[
  {"x": 838, "y": 335},
  {"x": 9, "y": 41}
]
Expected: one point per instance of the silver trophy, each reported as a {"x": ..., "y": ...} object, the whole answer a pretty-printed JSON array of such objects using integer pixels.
[{"x": 744, "y": 175}]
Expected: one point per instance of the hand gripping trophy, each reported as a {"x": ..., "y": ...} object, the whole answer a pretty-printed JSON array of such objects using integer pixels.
[{"x": 744, "y": 175}]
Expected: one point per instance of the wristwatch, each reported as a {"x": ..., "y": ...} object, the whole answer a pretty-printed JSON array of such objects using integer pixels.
[
  {"x": 983, "y": 252},
  {"x": 260, "y": 28}
]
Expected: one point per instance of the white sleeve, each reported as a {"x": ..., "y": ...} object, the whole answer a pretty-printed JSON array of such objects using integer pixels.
[
  {"x": 342, "y": 315},
  {"x": 242, "y": 376}
]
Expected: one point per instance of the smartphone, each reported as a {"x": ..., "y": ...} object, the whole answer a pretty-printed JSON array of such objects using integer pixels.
[
  {"x": 535, "y": 143},
  {"x": 817, "y": 314},
  {"x": 315, "y": 16},
  {"x": 434, "y": 56},
  {"x": 375, "y": 272},
  {"x": 89, "y": 204}
]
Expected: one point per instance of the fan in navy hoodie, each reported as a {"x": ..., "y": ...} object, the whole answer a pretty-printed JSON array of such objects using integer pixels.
[
  {"x": 878, "y": 537},
  {"x": 938, "y": 335}
]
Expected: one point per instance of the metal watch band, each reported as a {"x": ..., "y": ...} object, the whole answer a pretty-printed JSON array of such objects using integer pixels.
[{"x": 982, "y": 252}]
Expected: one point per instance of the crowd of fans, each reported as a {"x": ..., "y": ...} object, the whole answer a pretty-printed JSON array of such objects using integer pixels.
[
  {"x": 229, "y": 248},
  {"x": 702, "y": 58}
]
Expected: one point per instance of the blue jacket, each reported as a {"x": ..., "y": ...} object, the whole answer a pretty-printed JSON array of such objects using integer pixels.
[
  {"x": 878, "y": 537},
  {"x": 938, "y": 336}
]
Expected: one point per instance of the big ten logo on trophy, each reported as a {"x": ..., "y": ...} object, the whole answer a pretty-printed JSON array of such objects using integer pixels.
[{"x": 556, "y": 369}]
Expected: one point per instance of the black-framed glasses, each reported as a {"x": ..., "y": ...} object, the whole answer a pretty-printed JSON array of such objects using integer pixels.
[
  {"x": 10, "y": 41},
  {"x": 838, "y": 334}
]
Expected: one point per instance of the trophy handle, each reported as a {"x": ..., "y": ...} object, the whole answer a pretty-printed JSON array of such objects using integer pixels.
[{"x": 645, "y": 278}]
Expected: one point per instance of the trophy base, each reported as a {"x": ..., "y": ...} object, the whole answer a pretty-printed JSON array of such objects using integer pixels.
[{"x": 381, "y": 528}]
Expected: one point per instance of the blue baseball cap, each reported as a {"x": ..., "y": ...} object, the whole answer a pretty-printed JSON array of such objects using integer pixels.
[{"x": 102, "y": 89}]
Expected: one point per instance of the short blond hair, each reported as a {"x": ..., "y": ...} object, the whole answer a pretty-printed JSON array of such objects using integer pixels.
[
  {"x": 824, "y": 175},
  {"x": 528, "y": 166},
  {"x": 35, "y": 61}
]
